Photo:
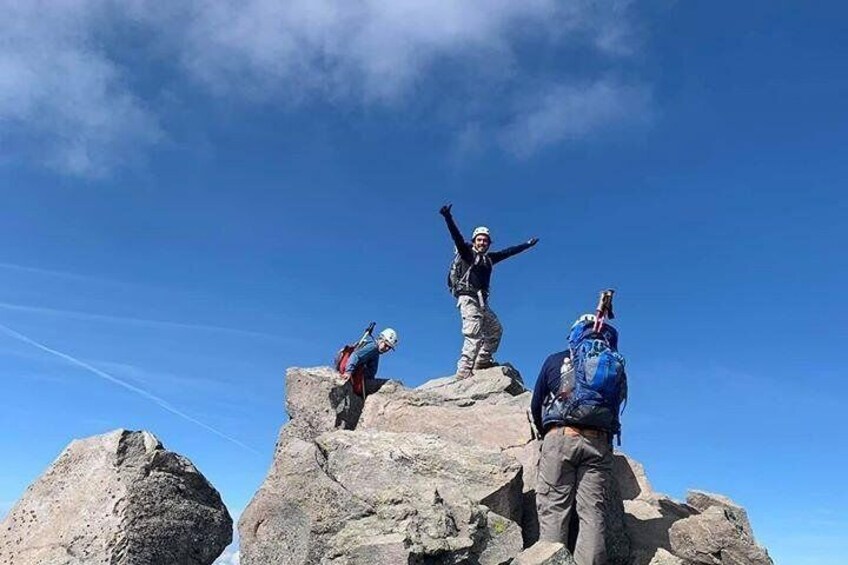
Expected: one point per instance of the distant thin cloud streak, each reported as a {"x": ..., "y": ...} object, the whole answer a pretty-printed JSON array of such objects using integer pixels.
[
  {"x": 138, "y": 321},
  {"x": 162, "y": 403}
]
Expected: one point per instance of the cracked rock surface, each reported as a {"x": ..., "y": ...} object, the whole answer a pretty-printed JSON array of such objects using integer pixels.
[
  {"x": 445, "y": 474},
  {"x": 386, "y": 493},
  {"x": 117, "y": 499}
]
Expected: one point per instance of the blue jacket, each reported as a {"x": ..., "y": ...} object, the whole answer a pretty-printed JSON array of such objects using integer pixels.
[
  {"x": 547, "y": 383},
  {"x": 365, "y": 357}
]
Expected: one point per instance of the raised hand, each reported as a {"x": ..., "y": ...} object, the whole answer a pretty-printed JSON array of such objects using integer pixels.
[
  {"x": 533, "y": 241},
  {"x": 445, "y": 210}
]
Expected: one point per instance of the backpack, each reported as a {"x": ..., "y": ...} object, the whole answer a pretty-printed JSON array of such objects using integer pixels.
[
  {"x": 460, "y": 271},
  {"x": 340, "y": 362},
  {"x": 594, "y": 382},
  {"x": 343, "y": 356}
]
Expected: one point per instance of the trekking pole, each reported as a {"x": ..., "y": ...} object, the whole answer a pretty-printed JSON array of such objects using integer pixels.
[{"x": 604, "y": 309}]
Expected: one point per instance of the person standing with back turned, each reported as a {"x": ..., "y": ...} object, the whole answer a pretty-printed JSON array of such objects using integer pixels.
[
  {"x": 576, "y": 405},
  {"x": 468, "y": 281}
]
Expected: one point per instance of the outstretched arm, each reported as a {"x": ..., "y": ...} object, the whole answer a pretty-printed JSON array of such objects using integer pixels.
[
  {"x": 458, "y": 241},
  {"x": 498, "y": 256}
]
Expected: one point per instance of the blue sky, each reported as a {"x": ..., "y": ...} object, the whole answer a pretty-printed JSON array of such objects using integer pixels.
[{"x": 197, "y": 197}]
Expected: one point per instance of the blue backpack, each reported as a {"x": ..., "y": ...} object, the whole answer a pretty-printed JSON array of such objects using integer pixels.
[{"x": 594, "y": 382}]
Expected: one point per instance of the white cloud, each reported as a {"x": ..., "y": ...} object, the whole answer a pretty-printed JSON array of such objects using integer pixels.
[
  {"x": 66, "y": 92},
  {"x": 566, "y": 112},
  {"x": 61, "y": 94},
  {"x": 374, "y": 49}
]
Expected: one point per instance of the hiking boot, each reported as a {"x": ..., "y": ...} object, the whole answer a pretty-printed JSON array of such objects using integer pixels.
[
  {"x": 485, "y": 364},
  {"x": 460, "y": 375}
]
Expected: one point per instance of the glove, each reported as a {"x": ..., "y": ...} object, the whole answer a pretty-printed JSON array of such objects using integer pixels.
[
  {"x": 445, "y": 210},
  {"x": 533, "y": 241}
]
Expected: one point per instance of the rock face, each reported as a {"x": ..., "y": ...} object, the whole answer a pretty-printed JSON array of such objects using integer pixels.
[
  {"x": 446, "y": 473},
  {"x": 121, "y": 499},
  {"x": 383, "y": 493},
  {"x": 544, "y": 553},
  {"x": 720, "y": 533},
  {"x": 709, "y": 529}
]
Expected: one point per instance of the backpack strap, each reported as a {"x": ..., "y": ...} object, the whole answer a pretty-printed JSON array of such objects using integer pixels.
[{"x": 463, "y": 282}]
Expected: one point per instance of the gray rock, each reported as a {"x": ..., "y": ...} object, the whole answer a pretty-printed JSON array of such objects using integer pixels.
[
  {"x": 442, "y": 474},
  {"x": 700, "y": 501},
  {"x": 503, "y": 542},
  {"x": 488, "y": 409},
  {"x": 544, "y": 553},
  {"x": 663, "y": 557},
  {"x": 367, "y": 496},
  {"x": 716, "y": 537},
  {"x": 617, "y": 540},
  {"x": 484, "y": 385},
  {"x": 317, "y": 401},
  {"x": 375, "y": 465},
  {"x": 297, "y": 507},
  {"x": 630, "y": 476},
  {"x": 647, "y": 515},
  {"x": 119, "y": 498}
]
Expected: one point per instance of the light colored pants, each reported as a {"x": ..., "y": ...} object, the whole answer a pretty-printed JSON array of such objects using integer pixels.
[
  {"x": 481, "y": 332},
  {"x": 574, "y": 468}
]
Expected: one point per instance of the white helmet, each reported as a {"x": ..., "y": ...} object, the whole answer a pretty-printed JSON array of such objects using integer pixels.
[
  {"x": 389, "y": 336},
  {"x": 584, "y": 319},
  {"x": 481, "y": 230}
]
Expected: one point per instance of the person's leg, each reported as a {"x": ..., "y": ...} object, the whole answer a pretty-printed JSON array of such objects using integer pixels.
[
  {"x": 492, "y": 332},
  {"x": 555, "y": 486},
  {"x": 374, "y": 385},
  {"x": 592, "y": 476},
  {"x": 472, "y": 332}
]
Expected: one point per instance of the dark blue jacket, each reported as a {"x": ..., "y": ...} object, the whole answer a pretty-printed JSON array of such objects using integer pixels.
[
  {"x": 366, "y": 357},
  {"x": 547, "y": 383},
  {"x": 481, "y": 271}
]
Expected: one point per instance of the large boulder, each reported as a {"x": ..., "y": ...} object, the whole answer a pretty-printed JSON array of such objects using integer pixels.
[
  {"x": 490, "y": 409},
  {"x": 119, "y": 498},
  {"x": 648, "y": 515},
  {"x": 318, "y": 400},
  {"x": 297, "y": 508},
  {"x": 707, "y": 529},
  {"x": 349, "y": 497},
  {"x": 719, "y": 534},
  {"x": 336, "y": 496}
]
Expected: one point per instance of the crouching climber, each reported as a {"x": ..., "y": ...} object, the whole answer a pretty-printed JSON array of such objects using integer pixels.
[{"x": 359, "y": 363}]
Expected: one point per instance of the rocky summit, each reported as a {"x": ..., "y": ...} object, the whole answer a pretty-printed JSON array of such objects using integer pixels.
[
  {"x": 117, "y": 499},
  {"x": 445, "y": 474},
  {"x": 440, "y": 474}
]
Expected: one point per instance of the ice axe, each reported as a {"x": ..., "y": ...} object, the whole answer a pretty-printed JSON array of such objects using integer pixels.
[
  {"x": 369, "y": 331},
  {"x": 604, "y": 309},
  {"x": 365, "y": 335}
]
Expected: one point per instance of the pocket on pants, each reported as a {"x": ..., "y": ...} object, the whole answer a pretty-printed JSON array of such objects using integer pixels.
[
  {"x": 550, "y": 465},
  {"x": 472, "y": 326},
  {"x": 558, "y": 451}
]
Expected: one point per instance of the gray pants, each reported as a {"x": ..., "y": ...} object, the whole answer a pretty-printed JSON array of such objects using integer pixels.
[
  {"x": 481, "y": 332},
  {"x": 574, "y": 468}
]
